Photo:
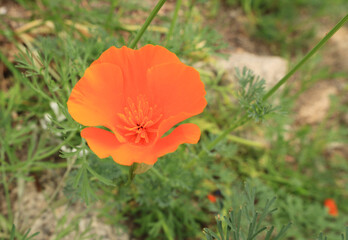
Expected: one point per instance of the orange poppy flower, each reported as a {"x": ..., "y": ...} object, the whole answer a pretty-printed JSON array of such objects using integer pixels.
[
  {"x": 211, "y": 198},
  {"x": 138, "y": 95},
  {"x": 330, "y": 204}
]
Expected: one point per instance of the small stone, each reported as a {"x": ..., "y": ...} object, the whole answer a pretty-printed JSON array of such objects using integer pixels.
[
  {"x": 335, "y": 53},
  {"x": 3, "y": 10},
  {"x": 314, "y": 104},
  {"x": 271, "y": 68}
]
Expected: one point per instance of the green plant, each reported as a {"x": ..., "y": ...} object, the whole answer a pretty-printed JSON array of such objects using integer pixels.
[
  {"x": 170, "y": 200},
  {"x": 246, "y": 222}
]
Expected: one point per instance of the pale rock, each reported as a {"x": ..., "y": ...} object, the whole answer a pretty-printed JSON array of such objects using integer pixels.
[
  {"x": 270, "y": 68},
  {"x": 335, "y": 53},
  {"x": 314, "y": 104}
]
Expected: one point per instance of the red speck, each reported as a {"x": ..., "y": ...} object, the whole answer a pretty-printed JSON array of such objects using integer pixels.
[
  {"x": 330, "y": 204},
  {"x": 212, "y": 198}
]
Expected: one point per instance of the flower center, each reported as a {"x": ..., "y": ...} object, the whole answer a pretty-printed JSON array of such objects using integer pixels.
[{"x": 139, "y": 120}]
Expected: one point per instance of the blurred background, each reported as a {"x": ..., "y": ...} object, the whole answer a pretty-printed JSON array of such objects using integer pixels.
[{"x": 298, "y": 152}]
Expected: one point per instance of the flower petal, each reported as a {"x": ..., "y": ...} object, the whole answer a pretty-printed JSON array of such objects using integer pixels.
[
  {"x": 98, "y": 96},
  {"x": 185, "y": 133},
  {"x": 152, "y": 55},
  {"x": 146, "y": 57},
  {"x": 178, "y": 91},
  {"x": 135, "y": 63},
  {"x": 127, "y": 154},
  {"x": 103, "y": 143}
]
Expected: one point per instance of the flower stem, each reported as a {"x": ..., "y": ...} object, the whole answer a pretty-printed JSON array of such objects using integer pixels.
[
  {"x": 245, "y": 119},
  {"x": 147, "y": 23},
  {"x": 131, "y": 174},
  {"x": 247, "y": 142},
  {"x": 7, "y": 195},
  {"x": 305, "y": 58},
  {"x": 236, "y": 124},
  {"x": 173, "y": 23}
]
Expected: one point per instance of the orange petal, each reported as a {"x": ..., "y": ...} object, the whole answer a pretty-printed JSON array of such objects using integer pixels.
[
  {"x": 103, "y": 143},
  {"x": 146, "y": 56},
  {"x": 135, "y": 63},
  {"x": 97, "y": 96},
  {"x": 152, "y": 55},
  {"x": 185, "y": 133},
  {"x": 211, "y": 198},
  {"x": 127, "y": 154},
  {"x": 332, "y": 207},
  {"x": 178, "y": 90}
]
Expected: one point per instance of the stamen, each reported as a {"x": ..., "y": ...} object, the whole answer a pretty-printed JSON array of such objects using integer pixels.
[
  {"x": 130, "y": 134},
  {"x": 131, "y": 128},
  {"x": 123, "y": 117},
  {"x": 137, "y": 140},
  {"x": 139, "y": 120}
]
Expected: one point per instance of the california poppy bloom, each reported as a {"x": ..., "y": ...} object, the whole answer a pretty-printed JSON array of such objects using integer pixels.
[
  {"x": 138, "y": 96},
  {"x": 211, "y": 198},
  {"x": 330, "y": 204}
]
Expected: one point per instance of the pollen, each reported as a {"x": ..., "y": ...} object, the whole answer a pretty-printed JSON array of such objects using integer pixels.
[{"x": 139, "y": 120}]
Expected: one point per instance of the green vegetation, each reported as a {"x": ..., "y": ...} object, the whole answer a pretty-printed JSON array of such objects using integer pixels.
[
  {"x": 301, "y": 163},
  {"x": 287, "y": 26}
]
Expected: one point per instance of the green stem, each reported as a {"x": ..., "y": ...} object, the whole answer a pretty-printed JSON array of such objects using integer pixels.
[
  {"x": 6, "y": 191},
  {"x": 131, "y": 174},
  {"x": 210, "y": 146},
  {"x": 34, "y": 168},
  {"x": 10, "y": 66},
  {"x": 245, "y": 119},
  {"x": 284, "y": 181},
  {"x": 7, "y": 195},
  {"x": 173, "y": 23},
  {"x": 147, "y": 23},
  {"x": 189, "y": 12},
  {"x": 310, "y": 54},
  {"x": 17, "y": 74},
  {"x": 246, "y": 142}
]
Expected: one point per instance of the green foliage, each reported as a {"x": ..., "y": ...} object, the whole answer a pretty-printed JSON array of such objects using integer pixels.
[
  {"x": 253, "y": 210},
  {"x": 246, "y": 222},
  {"x": 287, "y": 25},
  {"x": 24, "y": 237},
  {"x": 170, "y": 200},
  {"x": 343, "y": 236},
  {"x": 157, "y": 201},
  {"x": 250, "y": 95}
]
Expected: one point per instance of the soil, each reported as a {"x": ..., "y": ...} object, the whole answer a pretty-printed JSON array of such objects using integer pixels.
[
  {"x": 232, "y": 24},
  {"x": 34, "y": 211}
]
